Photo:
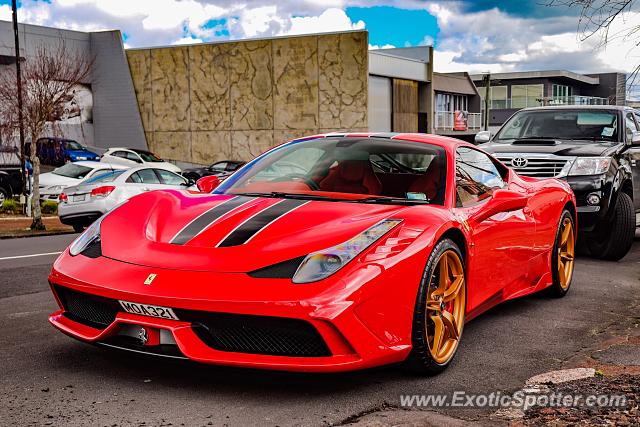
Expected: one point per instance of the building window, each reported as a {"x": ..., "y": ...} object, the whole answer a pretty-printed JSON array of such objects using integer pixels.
[
  {"x": 447, "y": 102},
  {"x": 499, "y": 98},
  {"x": 523, "y": 96},
  {"x": 561, "y": 94}
]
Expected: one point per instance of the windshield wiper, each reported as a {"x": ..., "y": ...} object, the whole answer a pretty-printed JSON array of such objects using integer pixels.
[{"x": 390, "y": 201}]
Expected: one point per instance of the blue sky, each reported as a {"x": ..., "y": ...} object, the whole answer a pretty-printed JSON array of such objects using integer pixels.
[{"x": 478, "y": 35}]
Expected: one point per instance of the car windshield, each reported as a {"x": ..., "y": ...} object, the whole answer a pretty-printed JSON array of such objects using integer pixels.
[
  {"x": 148, "y": 156},
  {"x": 105, "y": 177},
  {"x": 73, "y": 145},
  {"x": 72, "y": 170},
  {"x": 367, "y": 170},
  {"x": 591, "y": 125}
]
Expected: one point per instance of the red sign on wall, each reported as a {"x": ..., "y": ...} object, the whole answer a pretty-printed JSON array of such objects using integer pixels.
[{"x": 460, "y": 120}]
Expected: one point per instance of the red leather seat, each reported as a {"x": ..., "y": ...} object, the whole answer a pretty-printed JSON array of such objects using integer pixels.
[
  {"x": 429, "y": 182},
  {"x": 352, "y": 176}
]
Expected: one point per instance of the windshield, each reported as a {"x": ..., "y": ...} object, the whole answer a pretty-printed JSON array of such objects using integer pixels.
[
  {"x": 148, "y": 156},
  {"x": 72, "y": 145},
  {"x": 592, "y": 125},
  {"x": 72, "y": 170},
  {"x": 353, "y": 169},
  {"x": 105, "y": 177}
]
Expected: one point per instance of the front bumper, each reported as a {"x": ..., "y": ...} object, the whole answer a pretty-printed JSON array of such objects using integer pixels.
[
  {"x": 350, "y": 341},
  {"x": 590, "y": 215}
]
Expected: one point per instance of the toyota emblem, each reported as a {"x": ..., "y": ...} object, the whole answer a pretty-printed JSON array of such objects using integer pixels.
[{"x": 519, "y": 162}]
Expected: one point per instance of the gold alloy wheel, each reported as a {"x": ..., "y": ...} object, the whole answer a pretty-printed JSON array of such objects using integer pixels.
[
  {"x": 566, "y": 253},
  {"x": 445, "y": 307}
]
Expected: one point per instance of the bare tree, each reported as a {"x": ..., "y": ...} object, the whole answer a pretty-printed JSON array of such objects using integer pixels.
[
  {"x": 48, "y": 79},
  {"x": 597, "y": 17}
]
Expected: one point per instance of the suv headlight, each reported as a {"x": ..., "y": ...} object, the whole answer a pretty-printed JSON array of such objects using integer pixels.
[
  {"x": 590, "y": 166},
  {"x": 322, "y": 264}
]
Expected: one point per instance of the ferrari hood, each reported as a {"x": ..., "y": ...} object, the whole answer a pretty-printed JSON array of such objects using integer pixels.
[{"x": 224, "y": 233}]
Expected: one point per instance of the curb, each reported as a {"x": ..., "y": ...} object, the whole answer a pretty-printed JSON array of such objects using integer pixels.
[{"x": 35, "y": 234}]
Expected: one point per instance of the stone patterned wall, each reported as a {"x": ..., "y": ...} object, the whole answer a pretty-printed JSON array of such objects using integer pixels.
[{"x": 235, "y": 100}]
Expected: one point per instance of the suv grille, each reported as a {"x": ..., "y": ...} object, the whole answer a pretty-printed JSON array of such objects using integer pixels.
[{"x": 539, "y": 167}]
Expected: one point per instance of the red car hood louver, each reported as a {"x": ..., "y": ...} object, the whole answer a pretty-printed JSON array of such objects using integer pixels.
[{"x": 203, "y": 232}]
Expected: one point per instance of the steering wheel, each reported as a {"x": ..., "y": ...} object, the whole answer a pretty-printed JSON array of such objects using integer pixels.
[{"x": 299, "y": 177}]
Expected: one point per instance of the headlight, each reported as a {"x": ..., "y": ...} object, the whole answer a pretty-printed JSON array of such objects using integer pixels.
[
  {"x": 590, "y": 165},
  {"x": 322, "y": 264},
  {"x": 90, "y": 235}
]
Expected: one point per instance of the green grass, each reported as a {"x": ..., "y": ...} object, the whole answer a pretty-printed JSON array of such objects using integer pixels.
[
  {"x": 49, "y": 208},
  {"x": 10, "y": 206}
]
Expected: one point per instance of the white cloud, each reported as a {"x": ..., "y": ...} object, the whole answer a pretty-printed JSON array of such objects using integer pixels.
[
  {"x": 384, "y": 46},
  {"x": 187, "y": 40},
  {"x": 330, "y": 20},
  {"x": 5, "y": 12}
]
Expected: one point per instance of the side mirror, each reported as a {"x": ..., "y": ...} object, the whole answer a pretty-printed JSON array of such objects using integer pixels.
[
  {"x": 207, "y": 184},
  {"x": 635, "y": 139},
  {"x": 482, "y": 137},
  {"x": 501, "y": 201}
]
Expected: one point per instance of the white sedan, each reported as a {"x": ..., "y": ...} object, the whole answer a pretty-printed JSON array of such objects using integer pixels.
[
  {"x": 133, "y": 157},
  {"x": 53, "y": 183},
  {"x": 80, "y": 205}
]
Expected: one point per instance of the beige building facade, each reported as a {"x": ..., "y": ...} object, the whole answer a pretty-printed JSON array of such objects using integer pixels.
[{"x": 234, "y": 100}]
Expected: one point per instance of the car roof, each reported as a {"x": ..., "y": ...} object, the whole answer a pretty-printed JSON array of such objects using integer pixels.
[
  {"x": 578, "y": 107},
  {"x": 99, "y": 165}
]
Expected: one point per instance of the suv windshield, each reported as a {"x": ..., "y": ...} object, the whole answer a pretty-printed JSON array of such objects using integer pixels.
[
  {"x": 72, "y": 170},
  {"x": 355, "y": 169},
  {"x": 148, "y": 156},
  {"x": 590, "y": 125}
]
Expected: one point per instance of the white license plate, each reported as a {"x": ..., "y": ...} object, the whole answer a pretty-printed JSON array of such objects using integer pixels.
[
  {"x": 148, "y": 310},
  {"x": 78, "y": 198}
]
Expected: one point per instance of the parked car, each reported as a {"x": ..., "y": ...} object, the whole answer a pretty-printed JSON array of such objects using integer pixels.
[
  {"x": 52, "y": 183},
  {"x": 10, "y": 183},
  {"x": 221, "y": 169},
  {"x": 348, "y": 266},
  {"x": 134, "y": 157},
  {"x": 82, "y": 204},
  {"x": 596, "y": 149},
  {"x": 58, "y": 151}
]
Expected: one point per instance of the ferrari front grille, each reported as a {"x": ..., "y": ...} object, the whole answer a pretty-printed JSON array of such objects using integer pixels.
[
  {"x": 91, "y": 310},
  {"x": 275, "y": 336},
  {"x": 538, "y": 167}
]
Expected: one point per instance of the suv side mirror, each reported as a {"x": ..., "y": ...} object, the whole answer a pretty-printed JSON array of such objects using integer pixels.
[
  {"x": 207, "y": 184},
  {"x": 501, "y": 201},
  {"x": 482, "y": 137},
  {"x": 635, "y": 139}
]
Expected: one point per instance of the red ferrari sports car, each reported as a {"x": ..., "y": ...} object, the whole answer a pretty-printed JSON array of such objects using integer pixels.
[{"x": 373, "y": 249}]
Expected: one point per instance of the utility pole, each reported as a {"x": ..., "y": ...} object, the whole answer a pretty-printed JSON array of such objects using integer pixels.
[
  {"x": 14, "y": 7},
  {"x": 487, "y": 100}
]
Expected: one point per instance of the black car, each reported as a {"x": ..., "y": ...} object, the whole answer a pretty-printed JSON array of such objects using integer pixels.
[
  {"x": 221, "y": 169},
  {"x": 596, "y": 149},
  {"x": 10, "y": 183}
]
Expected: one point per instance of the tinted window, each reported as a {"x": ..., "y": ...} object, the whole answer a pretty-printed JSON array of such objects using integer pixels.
[
  {"x": 170, "y": 178},
  {"x": 122, "y": 154},
  {"x": 72, "y": 170},
  {"x": 133, "y": 156},
  {"x": 630, "y": 126},
  {"x": 144, "y": 176},
  {"x": 105, "y": 177},
  {"x": 72, "y": 145},
  {"x": 476, "y": 176},
  {"x": 220, "y": 166},
  {"x": 148, "y": 156},
  {"x": 592, "y": 125}
]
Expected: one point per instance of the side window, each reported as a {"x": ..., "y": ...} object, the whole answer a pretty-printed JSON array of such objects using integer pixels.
[
  {"x": 121, "y": 154},
  {"x": 134, "y": 178},
  {"x": 147, "y": 176},
  {"x": 132, "y": 156},
  {"x": 630, "y": 126},
  {"x": 476, "y": 176},
  {"x": 170, "y": 178},
  {"x": 220, "y": 166}
]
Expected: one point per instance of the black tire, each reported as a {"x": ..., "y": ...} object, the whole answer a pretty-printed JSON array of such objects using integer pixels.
[
  {"x": 612, "y": 239},
  {"x": 420, "y": 361},
  {"x": 78, "y": 228},
  {"x": 557, "y": 290}
]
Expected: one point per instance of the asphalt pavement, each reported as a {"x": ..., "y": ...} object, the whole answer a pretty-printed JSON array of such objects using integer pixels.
[{"x": 48, "y": 378}]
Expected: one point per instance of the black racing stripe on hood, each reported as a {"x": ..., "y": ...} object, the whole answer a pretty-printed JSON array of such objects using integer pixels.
[
  {"x": 197, "y": 225},
  {"x": 251, "y": 227}
]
